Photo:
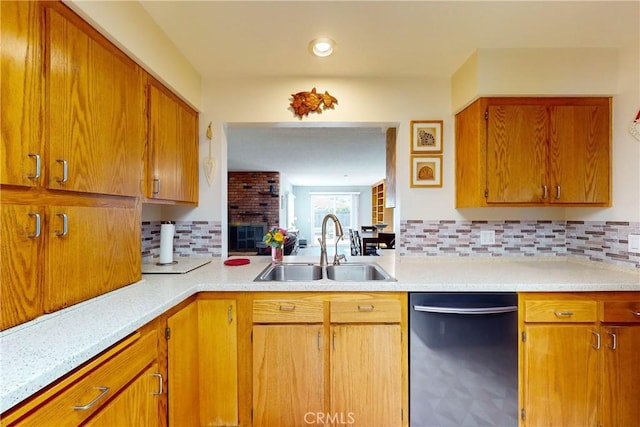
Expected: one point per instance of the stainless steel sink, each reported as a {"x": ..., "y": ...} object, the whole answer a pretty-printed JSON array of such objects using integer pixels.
[
  {"x": 357, "y": 273},
  {"x": 290, "y": 272}
]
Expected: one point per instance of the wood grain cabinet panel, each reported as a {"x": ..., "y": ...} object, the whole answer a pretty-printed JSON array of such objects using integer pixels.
[
  {"x": 366, "y": 375},
  {"x": 21, "y": 252},
  {"x": 95, "y": 114},
  {"x": 20, "y": 93},
  {"x": 580, "y": 369},
  {"x": 534, "y": 152},
  {"x": 288, "y": 374},
  {"x": 90, "y": 251},
  {"x": 172, "y": 162}
]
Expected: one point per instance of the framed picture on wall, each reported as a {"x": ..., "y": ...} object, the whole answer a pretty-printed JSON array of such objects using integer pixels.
[
  {"x": 426, "y": 136},
  {"x": 426, "y": 171}
]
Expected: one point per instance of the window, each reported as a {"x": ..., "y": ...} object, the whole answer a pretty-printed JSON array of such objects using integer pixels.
[{"x": 342, "y": 205}]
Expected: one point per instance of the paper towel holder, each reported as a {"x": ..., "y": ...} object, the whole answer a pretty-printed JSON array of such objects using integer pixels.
[{"x": 168, "y": 244}]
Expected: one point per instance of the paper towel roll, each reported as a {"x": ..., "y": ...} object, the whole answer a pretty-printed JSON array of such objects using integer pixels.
[{"x": 167, "y": 231}]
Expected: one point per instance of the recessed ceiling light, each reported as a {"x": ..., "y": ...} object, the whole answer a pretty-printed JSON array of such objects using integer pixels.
[{"x": 322, "y": 46}]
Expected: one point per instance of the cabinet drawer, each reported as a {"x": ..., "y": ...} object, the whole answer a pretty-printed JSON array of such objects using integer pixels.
[
  {"x": 560, "y": 311},
  {"x": 86, "y": 395},
  {"x": 287, "y": 311},
  {"x": 366, "y": 311},
  {"x": 621, "y": 311}
]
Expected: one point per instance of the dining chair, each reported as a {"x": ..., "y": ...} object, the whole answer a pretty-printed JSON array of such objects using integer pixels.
[{"x": 354, "y": 242}]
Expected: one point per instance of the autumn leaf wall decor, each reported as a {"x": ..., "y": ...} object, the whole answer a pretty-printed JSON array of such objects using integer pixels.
[{"x": 305, "y": 102}]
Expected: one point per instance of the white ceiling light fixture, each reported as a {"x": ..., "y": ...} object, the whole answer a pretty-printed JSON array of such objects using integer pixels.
[{"x": 322, "y": 46}]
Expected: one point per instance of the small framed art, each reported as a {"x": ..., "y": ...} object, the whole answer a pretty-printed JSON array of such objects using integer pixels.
[
  {"x": 426, "y": 171},
  {"x": 426, "y": 136}
]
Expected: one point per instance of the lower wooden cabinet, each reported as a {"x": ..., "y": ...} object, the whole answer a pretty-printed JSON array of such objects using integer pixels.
[
  {"x": 579, "y": 358},
  {"x": 203, "y": 364},
  {"x": 329, "y": 359},
  {"x": 288, "y": 374},
  {"x": 120, "y": 387}
]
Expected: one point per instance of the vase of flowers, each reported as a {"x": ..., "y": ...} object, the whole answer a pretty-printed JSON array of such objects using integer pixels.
[{"x": 276, "y": 238}]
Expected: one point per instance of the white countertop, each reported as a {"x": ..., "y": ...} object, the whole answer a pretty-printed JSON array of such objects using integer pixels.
[{"x": 37, "y": 353}]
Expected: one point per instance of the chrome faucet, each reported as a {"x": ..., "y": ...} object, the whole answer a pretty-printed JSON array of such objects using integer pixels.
[{"x": 323, "y": 240}]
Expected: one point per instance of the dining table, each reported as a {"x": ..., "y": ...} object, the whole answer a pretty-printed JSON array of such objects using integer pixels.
[{"x": 368, "y": 238}]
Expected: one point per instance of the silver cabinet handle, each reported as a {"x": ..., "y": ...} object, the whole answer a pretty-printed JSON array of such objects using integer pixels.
[
  {"x": 65, "y": 225},
  {"x": 334, "y": 340},
  {"x": 65, "y": 171},
  {"x": 635, "y": 313},
  {"x": 160, "y": 380},
  {"x": 614, "y": 341},
  {"x": 563, "y": 313},
  {"x": 156, "y": 186},
  {"x": 36, "y": 233},
  {"x": 544, "y": 192},
  {"x": 287, "y": 307},
  {"x": 365, "y": 308},
  {"x": 597, "y": 344},
  {"x": 319, "y": 341},
  {"x": 230, "y": 314},
  {"x": 103, "y": 393},
  {"x": 36, "y": 174},
  {"x": 557, "y": 192}
]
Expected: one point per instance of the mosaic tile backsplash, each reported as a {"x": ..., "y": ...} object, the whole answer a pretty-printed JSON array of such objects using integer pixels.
[
  {"x": 602, "y": 241},
  {"x": 192, "y": 238}
]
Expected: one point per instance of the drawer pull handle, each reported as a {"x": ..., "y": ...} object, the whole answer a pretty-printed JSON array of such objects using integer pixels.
[
  {"x": 614, "y": 341},
  {"x": 287, "y": 307},
  {"x": 65, "y": 171},
  {"x": 103, "y": 393},
  {"x": 36, "y": 233},
  {"x": 160, "y": 380},
  {"x": 563, "y": 313},
  {"x": 36, "y": 174},
  {"x": 230, "y": 314},
  {"x": 544, "y": 192},
  {"x": 365, "y": 308},
  {"x": 596, "y": 346},
  {"x": 635, "y": 313},
  {"x": 557, "y": 192},
  {"x": 65, "y": 225},
  {"x": 156, "y": 186}
]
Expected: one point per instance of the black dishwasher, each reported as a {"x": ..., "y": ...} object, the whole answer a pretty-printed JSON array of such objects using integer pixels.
[{"x": 463, "y": 359}]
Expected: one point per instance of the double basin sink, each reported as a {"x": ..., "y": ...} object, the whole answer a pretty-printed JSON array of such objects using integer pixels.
[{"x": 303, "y": 272}]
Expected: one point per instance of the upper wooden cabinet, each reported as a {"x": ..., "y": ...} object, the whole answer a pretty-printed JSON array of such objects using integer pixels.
[
  {"x": 534, "y": 151},
  {"x": 21, "y": 93},
  {"x": 172, "y": 162},
  {"x": 95, "y": 125},
  {"x": 73, "y": 118}
]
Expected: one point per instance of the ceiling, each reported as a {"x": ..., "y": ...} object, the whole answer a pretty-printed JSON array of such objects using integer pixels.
[{"x": 374, "y": 39}]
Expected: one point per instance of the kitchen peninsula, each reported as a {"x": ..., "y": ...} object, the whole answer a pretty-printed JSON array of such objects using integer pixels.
[{"x": 39, "y": 352}]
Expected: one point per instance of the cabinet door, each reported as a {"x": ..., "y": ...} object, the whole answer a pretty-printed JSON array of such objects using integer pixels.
[
  {"x": 90, "y": 251},
  {"x": 288, "y": 374},
  {"x": 218, "y": 362},
  {"x": 621, "y": 376},
  {"x": 20, "y": 266},
  {"x": 183, "y": 370},
  {"x": 560, "y": 375},
  {"x": 95, "y": 114},
  {"x": 366, "y": 375},
  {"x": 517, "y": 153},
  {"x": 579, "y": 154},
  {"x": 20, "y": 92},
  {"x": 136, "y": 405},
  {"x": 173, "y": 149}
]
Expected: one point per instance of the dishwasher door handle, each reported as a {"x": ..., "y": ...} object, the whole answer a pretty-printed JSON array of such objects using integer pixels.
[{"x": 461, "y": 310}]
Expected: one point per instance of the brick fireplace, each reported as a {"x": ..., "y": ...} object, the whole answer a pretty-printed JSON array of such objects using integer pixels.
[{"x": 254, "y": 206}]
